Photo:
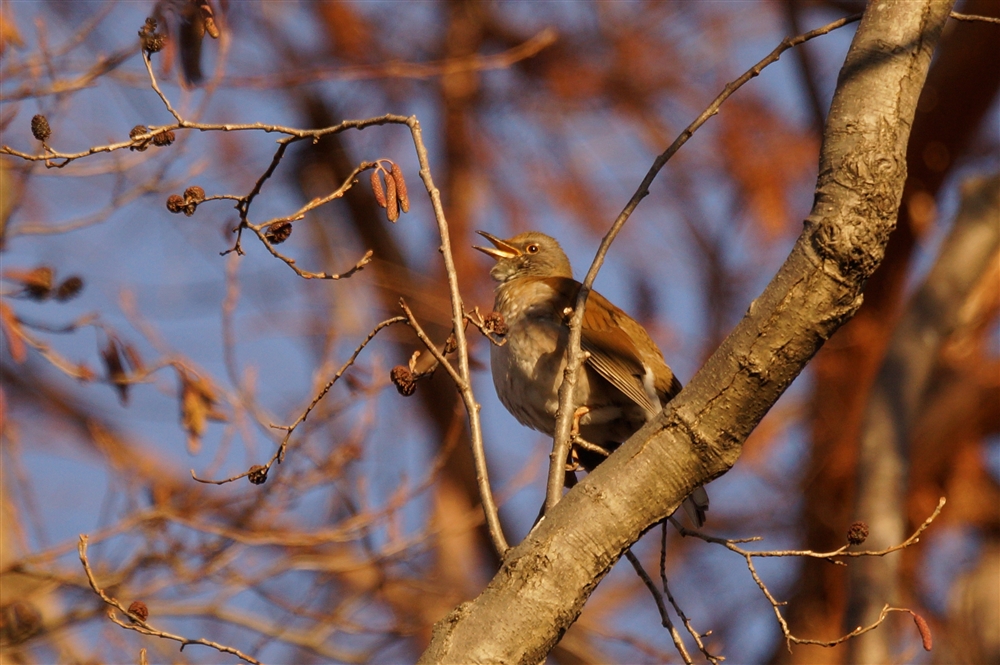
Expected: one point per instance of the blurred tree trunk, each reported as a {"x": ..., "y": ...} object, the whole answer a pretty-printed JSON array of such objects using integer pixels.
[
  {"x": 902, "y": 381},
  {"x": 959, "y": 91}
]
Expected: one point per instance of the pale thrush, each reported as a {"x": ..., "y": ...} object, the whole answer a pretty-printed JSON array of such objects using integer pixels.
[{"x": 624, "y": 381}]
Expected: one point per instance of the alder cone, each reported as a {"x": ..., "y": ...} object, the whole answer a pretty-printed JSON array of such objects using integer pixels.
[
  {"x": 40, "y": 127},
  {"x": 397, "y": 178},
  {"x": 377, "y": 189},
  {"x": 391, "y": 202}
]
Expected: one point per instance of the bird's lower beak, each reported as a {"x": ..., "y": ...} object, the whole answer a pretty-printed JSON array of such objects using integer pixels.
[{"x": 503, "y": 250}]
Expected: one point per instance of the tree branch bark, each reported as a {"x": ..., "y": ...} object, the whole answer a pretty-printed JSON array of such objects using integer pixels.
[{"x": 545, "y": 581}]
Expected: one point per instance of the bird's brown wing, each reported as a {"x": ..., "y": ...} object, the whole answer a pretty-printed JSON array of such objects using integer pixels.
[
  {"x": 665, "y": 382},
  {"x": 605, "y": 336}
]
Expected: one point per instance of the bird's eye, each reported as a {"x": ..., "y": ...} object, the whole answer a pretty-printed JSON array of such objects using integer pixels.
[{"x": 532, "y": 249}]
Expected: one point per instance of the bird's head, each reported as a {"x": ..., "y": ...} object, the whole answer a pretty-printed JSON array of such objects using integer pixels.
[{"x": 529, "y": 254}]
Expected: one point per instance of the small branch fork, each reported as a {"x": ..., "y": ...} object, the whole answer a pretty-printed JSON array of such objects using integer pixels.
[
  {"x": 461, "y": 379},
  {"x": 138, "y": 624},
  {"x": 658, "y": 597},
  {"x": 279, "y": 455},
  {"x": 462, "y": 375},
  {"x": 564, "y": 417},
  {"x": 734, "y": 546},
  {"x": 710, "y": 657}
]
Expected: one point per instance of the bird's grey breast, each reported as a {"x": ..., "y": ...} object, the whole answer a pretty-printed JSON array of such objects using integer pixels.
[{"x": 527, "y": 368}]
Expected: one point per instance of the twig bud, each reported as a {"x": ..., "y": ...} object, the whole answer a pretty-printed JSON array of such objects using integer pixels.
[
  {"x": 139, "y": 609},
  {"x": 403, "y": 380},
  {"x": 450, "y": 344},
  {"x": 494, "y": 323},
  {"x": 40, "y": 127},
  {"x": 175, "y": 203},
  {"x": 149, "y": 39},
  {"x": 858, "y": 533},
  {"x": 163, "y": 138},
  {"x": 70, "y": 288},
  {"x": 194, "y": 193},
  {"x": 278, "y": 233},
  {"x": 137, "y": 131},
  {"x": 257, "y": 474}
]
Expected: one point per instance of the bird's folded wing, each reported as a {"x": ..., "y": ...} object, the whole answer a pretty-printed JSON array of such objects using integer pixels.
[{"x": 612, "y": 353}]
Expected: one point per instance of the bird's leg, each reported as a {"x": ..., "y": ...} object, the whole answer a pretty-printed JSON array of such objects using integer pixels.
[
  {"x": 574, "y": 430},
  {"x": 573, "y": 460}
]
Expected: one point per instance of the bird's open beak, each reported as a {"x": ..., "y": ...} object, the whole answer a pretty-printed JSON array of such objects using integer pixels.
[{"x": 503, "y": 250}]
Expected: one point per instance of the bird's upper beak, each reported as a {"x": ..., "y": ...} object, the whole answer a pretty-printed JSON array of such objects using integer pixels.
[{"x": 504, "y": 250}]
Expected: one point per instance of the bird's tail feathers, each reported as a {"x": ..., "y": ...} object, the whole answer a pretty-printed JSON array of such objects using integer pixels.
[{"x": 696, "y": 505}]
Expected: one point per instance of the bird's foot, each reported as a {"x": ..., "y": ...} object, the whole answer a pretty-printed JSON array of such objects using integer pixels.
[
  {"x": 574, "y": 430},
  {"x": 572, "y": 460}
]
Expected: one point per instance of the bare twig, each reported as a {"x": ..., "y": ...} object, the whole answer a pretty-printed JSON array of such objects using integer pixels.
[
  {"x": 279, "y": 454},
  {"x": 438, "y": 354},
  {"x": 138, "y": 624},
  {"x": 975, "y": 17},
  {"x": 658, "y": 597},
  {"x": 405, "y": 70},
  {"x": 749, "y": 555},
  {"x": 712, "y": 658},
  {"x": 464, "y": 382},
  {"x": 482, "y": 476},
  {"x": 564, "y": 417}
]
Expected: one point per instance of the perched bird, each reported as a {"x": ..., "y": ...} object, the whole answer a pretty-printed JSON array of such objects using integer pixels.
[{"x": 624, "y": 381}]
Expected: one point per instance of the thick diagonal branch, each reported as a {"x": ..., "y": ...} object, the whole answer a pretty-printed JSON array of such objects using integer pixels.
[{"x": 545, "y": 581}]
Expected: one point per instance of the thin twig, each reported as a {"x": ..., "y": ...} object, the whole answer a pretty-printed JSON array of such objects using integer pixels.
[
  {"x": 658, "y": 597},
  {"x": 279, "y": 454},
  {"x": 712, "y": 658},
  {"x": 462, "y": 345},
  {"x": 141, "y": 626},
  {"x": 259, "y": 229},
  {"x": 749, "y": 555},
  {"x": 439, "y": 356},
  {"x": 730, "y": 544},
  {"x": 975, "y": 17},
  {"x": 403, "y": 70}
]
